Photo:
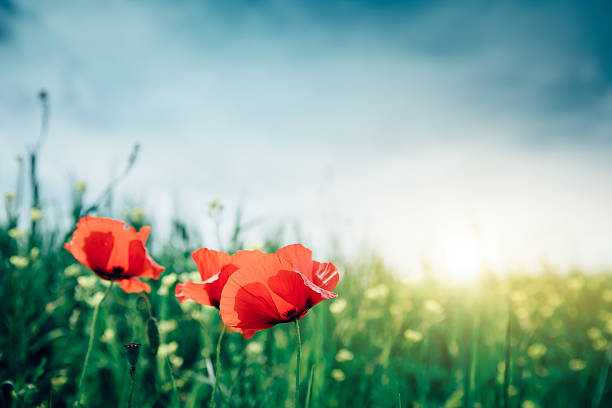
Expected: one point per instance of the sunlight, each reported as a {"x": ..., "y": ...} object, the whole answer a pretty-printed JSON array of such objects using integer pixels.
[{"x": 459, "y": 252}]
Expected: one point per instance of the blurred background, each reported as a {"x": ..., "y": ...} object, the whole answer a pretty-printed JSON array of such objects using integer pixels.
[
  {"x": 451, "y": 158},
  {"x": 467, "y": 134}
]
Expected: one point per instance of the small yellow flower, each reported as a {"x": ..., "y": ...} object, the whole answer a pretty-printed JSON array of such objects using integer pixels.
[
  {"x": 166, "y": 326},
  {"x": 34, "y": 252},
  {"x": 594, "y": 333},
  {"x": 337, "y": 306},
  {"x": 338, "y": 375},
  {"x": 10, "y": 195},
  {"x": 167, "y": 349},
  {"x": 536, "y": 351},
  {"x": 80, "y": 186},
  {"x": 169, "y": 279},
  {"x": 93, "y": 301},
  {"x": 254, "y": 348},
  {"x": 58, "y": 382},
  {"x": 19, "y": 262},
  {"x": 413, "y": 336},
  {"x": 577, "y": 364},
  {"x": 344, "y": 355},
  {"x": 529, "y": 404},
  {"x": 36, "y": 214},
  {"x": 377, "y": 292},
  {"x": 16, "y": 233},
  {"x": 108, "y": 335},
  {"x": 72, "y": 270},
  {"x": 512, "y": 391},
  {"x": 176, "y": 361},
  {"x": 87, "y": 282},
  {"x": 433, "y": 307}
]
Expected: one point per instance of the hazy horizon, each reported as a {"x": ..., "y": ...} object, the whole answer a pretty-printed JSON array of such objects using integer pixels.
[{"x": 467, "y": 134}]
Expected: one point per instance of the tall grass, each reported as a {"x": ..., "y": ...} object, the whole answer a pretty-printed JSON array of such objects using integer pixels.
[{"x": 385, "y": 341}]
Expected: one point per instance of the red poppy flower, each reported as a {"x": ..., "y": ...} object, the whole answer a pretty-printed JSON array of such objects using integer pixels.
[
  {"x": 114, "y": 251},
  {"x": 276, "y": 288},
  {"x": 215, "y": 268}
]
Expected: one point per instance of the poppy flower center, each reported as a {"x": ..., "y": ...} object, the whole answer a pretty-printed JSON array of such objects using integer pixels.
[
  {"x": 290, "y": 314},
  {"x": 115, "y": 273}
]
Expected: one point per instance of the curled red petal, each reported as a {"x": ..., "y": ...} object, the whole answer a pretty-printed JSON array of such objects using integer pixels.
[{"x": 134, "y": 285}]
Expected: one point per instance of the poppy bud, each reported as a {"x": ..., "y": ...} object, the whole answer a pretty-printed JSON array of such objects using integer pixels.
[
  {"x": 132, "y": 350},
  {"x": 153, "y": 334}
]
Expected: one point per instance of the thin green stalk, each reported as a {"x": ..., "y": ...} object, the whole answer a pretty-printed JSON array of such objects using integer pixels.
[
  {"x": 297, "y": 373},
  {"x": 91, "y": 339},
  {"x": 174, "y": 389},
  {"x": 309, "y": 390},
  {"x": 213, "y": 402},
  {"x": 131, "y": 396},
  {"x": 507, "y": 357}
]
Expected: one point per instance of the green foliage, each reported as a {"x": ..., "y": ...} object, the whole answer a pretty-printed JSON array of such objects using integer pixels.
[{"x": 385, "y": 336}]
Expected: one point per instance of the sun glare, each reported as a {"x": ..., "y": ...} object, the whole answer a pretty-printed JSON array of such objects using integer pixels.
[{"x": 459, "y": 253}]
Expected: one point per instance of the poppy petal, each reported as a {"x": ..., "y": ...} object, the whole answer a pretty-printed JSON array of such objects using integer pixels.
[
  {"x": 143, "y": 233},
  {"x": 209, "y": 261},
  {"x": 325, "y": 275},
  {"x": 297, "y": 290},
  {"x": 248, "y": 308},
  {"x": 299, "y": 257},
  {"x": 195, "y": 291},
  {"x": 134, "y": 285}
]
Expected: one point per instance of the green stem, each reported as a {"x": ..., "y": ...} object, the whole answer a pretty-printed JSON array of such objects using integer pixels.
[
  {"x": 297, "y": 373},
  {"x": 131, "y": 396},
  {"x": 91, "y": 339},
  {"x": 213, "y": 402}
]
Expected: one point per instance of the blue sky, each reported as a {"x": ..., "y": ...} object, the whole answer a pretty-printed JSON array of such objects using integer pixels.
[{"x": 423, "y": 129}]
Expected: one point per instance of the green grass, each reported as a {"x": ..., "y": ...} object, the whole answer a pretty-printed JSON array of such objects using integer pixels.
[{"x": 528, "y": 340}]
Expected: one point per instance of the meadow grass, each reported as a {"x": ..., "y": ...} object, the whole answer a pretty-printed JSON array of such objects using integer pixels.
[{"x": 526, "y": 340}]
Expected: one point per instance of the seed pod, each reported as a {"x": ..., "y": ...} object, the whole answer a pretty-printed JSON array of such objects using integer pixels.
[
  {"x": 132, "y": 350},
  {"x": 153, "y": 334}
]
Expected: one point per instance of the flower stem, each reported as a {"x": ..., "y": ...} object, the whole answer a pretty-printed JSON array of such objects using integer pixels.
[
  {"x": 297, "y": 373},
  {"x": 213, "y": 402},
  {"x": 131, "y": 396},
  {"x": 91, "y": 339}
]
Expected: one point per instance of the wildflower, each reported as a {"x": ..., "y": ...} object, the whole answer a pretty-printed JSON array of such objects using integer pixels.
[
  {"x": 276, "y": 288},
  {"x": 338, "y": 375},
  {"x": 86, "y": 282},
  {"x": 215, "y": 269},
  {"x": 16, "y": 233},
  {"x": 167, "y": 349},
  {"x": 166, "y": 326},
  {"x": 19, "y": 262},
  {"x": 413, "y": 336},
  {"x": 337, "y": 306},
  {"x": 577, "y": 364},
  {"x": 377, "y": 292},
  {"x": 80, "y": 186},
  {"x": 58, "y": 382},
  {"x": 594, "y": 333},
  {"x": 36, "y": 214},
  {"x": 72, "y": 270},
  {"x": 176, "y": 361},
  {"x": 529, "y": 404},
  {"x": 34, "y": 252},
  {"x": 108, "y": 336},
  {"x": 254, "y": 348},
  {"x": 512, "y": 391},
  {"x": 10, "y": 195},
  {"x": 535, "y": 351},
  {"x": 344, "y": 355},
  {"x": 114, "y": 251}
]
